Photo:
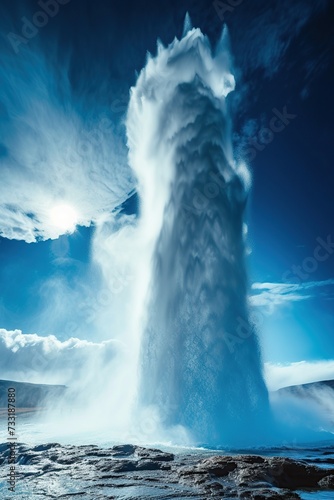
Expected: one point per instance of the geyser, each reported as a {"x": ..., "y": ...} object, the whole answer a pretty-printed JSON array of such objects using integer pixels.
[{"x": 199, "y": 361}]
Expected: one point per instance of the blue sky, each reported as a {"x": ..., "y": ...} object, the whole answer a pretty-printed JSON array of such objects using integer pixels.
[{"x": 63, "y": 97}]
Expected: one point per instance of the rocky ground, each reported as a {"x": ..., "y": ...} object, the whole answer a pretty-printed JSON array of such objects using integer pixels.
[{"x": 53, "y": 471}]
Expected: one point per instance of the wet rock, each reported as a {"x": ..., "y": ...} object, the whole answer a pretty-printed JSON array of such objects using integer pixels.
[
  {"x": 266, "y": 494},
  {"x": 120, "y": 466},
  {"x": 123, "y": 450},
  {"x": 43, "y": 447},
  {"x": 154, "y": 454},
  {"x": 327, "y": 482},
  {"x": 128, "y": 471}
]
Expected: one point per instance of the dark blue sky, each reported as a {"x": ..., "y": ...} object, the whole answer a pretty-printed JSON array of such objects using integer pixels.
[{"x": 283, "y": 56}]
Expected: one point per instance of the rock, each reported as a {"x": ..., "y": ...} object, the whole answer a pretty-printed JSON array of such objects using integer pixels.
[
  {"x": 128, "y": 471},
  {"x": 327, "y": 482},
  {"x": 123, "y": 450},
  {"x": 154, "y": 454},
  {"x": 43, "y": 447},
  {"x": 120, "y": 466}
]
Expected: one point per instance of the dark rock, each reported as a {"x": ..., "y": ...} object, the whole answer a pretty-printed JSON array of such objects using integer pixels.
[
  {"x": 327, "y": 482},
  {"x": 218, "y": 466},
  {"x": 123, "y": 450},
  {"x": 129, "y": 471},
  {"x": 120, "y": 466},
  {"x": 149, "y": 465},
  {"x": 286, "y": 473},
  {"x": 154, "y": 454},
  {"x": 43, "y": 447}
]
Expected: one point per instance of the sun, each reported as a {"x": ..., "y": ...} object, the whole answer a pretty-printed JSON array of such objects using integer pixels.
[{"x": 64, "y": 217}]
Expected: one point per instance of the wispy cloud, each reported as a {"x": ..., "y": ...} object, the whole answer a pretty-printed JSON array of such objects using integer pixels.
[
  {"x": 262, "y": 35},
  {"x": 302, "y": 372},
  {"x": 276, "y": 294},
  {"x": 51, "y": 152},
  {"x": 271, "y": 30}
]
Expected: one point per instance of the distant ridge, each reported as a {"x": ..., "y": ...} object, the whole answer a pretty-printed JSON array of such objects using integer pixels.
[
  {"x": 301, "y": 388},
  {"x": 320, "y": 394},
  {"x": 37, "y": 396},
  {"x": 30, "y": 395}
]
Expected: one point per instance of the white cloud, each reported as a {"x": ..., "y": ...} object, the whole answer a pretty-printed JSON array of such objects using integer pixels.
[
  {"x": 36, "y": 359},
  {"x": 302, "y": 372},
  {"x": 276, "y": 294}
]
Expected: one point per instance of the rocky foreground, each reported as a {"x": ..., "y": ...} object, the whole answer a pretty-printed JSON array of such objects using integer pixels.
[{"x": 132, "y": 472}]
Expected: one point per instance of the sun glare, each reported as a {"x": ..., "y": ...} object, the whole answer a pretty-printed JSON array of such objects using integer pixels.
[{"x": 64, "y": 217}]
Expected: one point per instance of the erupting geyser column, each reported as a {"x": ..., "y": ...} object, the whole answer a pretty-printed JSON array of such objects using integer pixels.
[{"x": 200, "y": 363}]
